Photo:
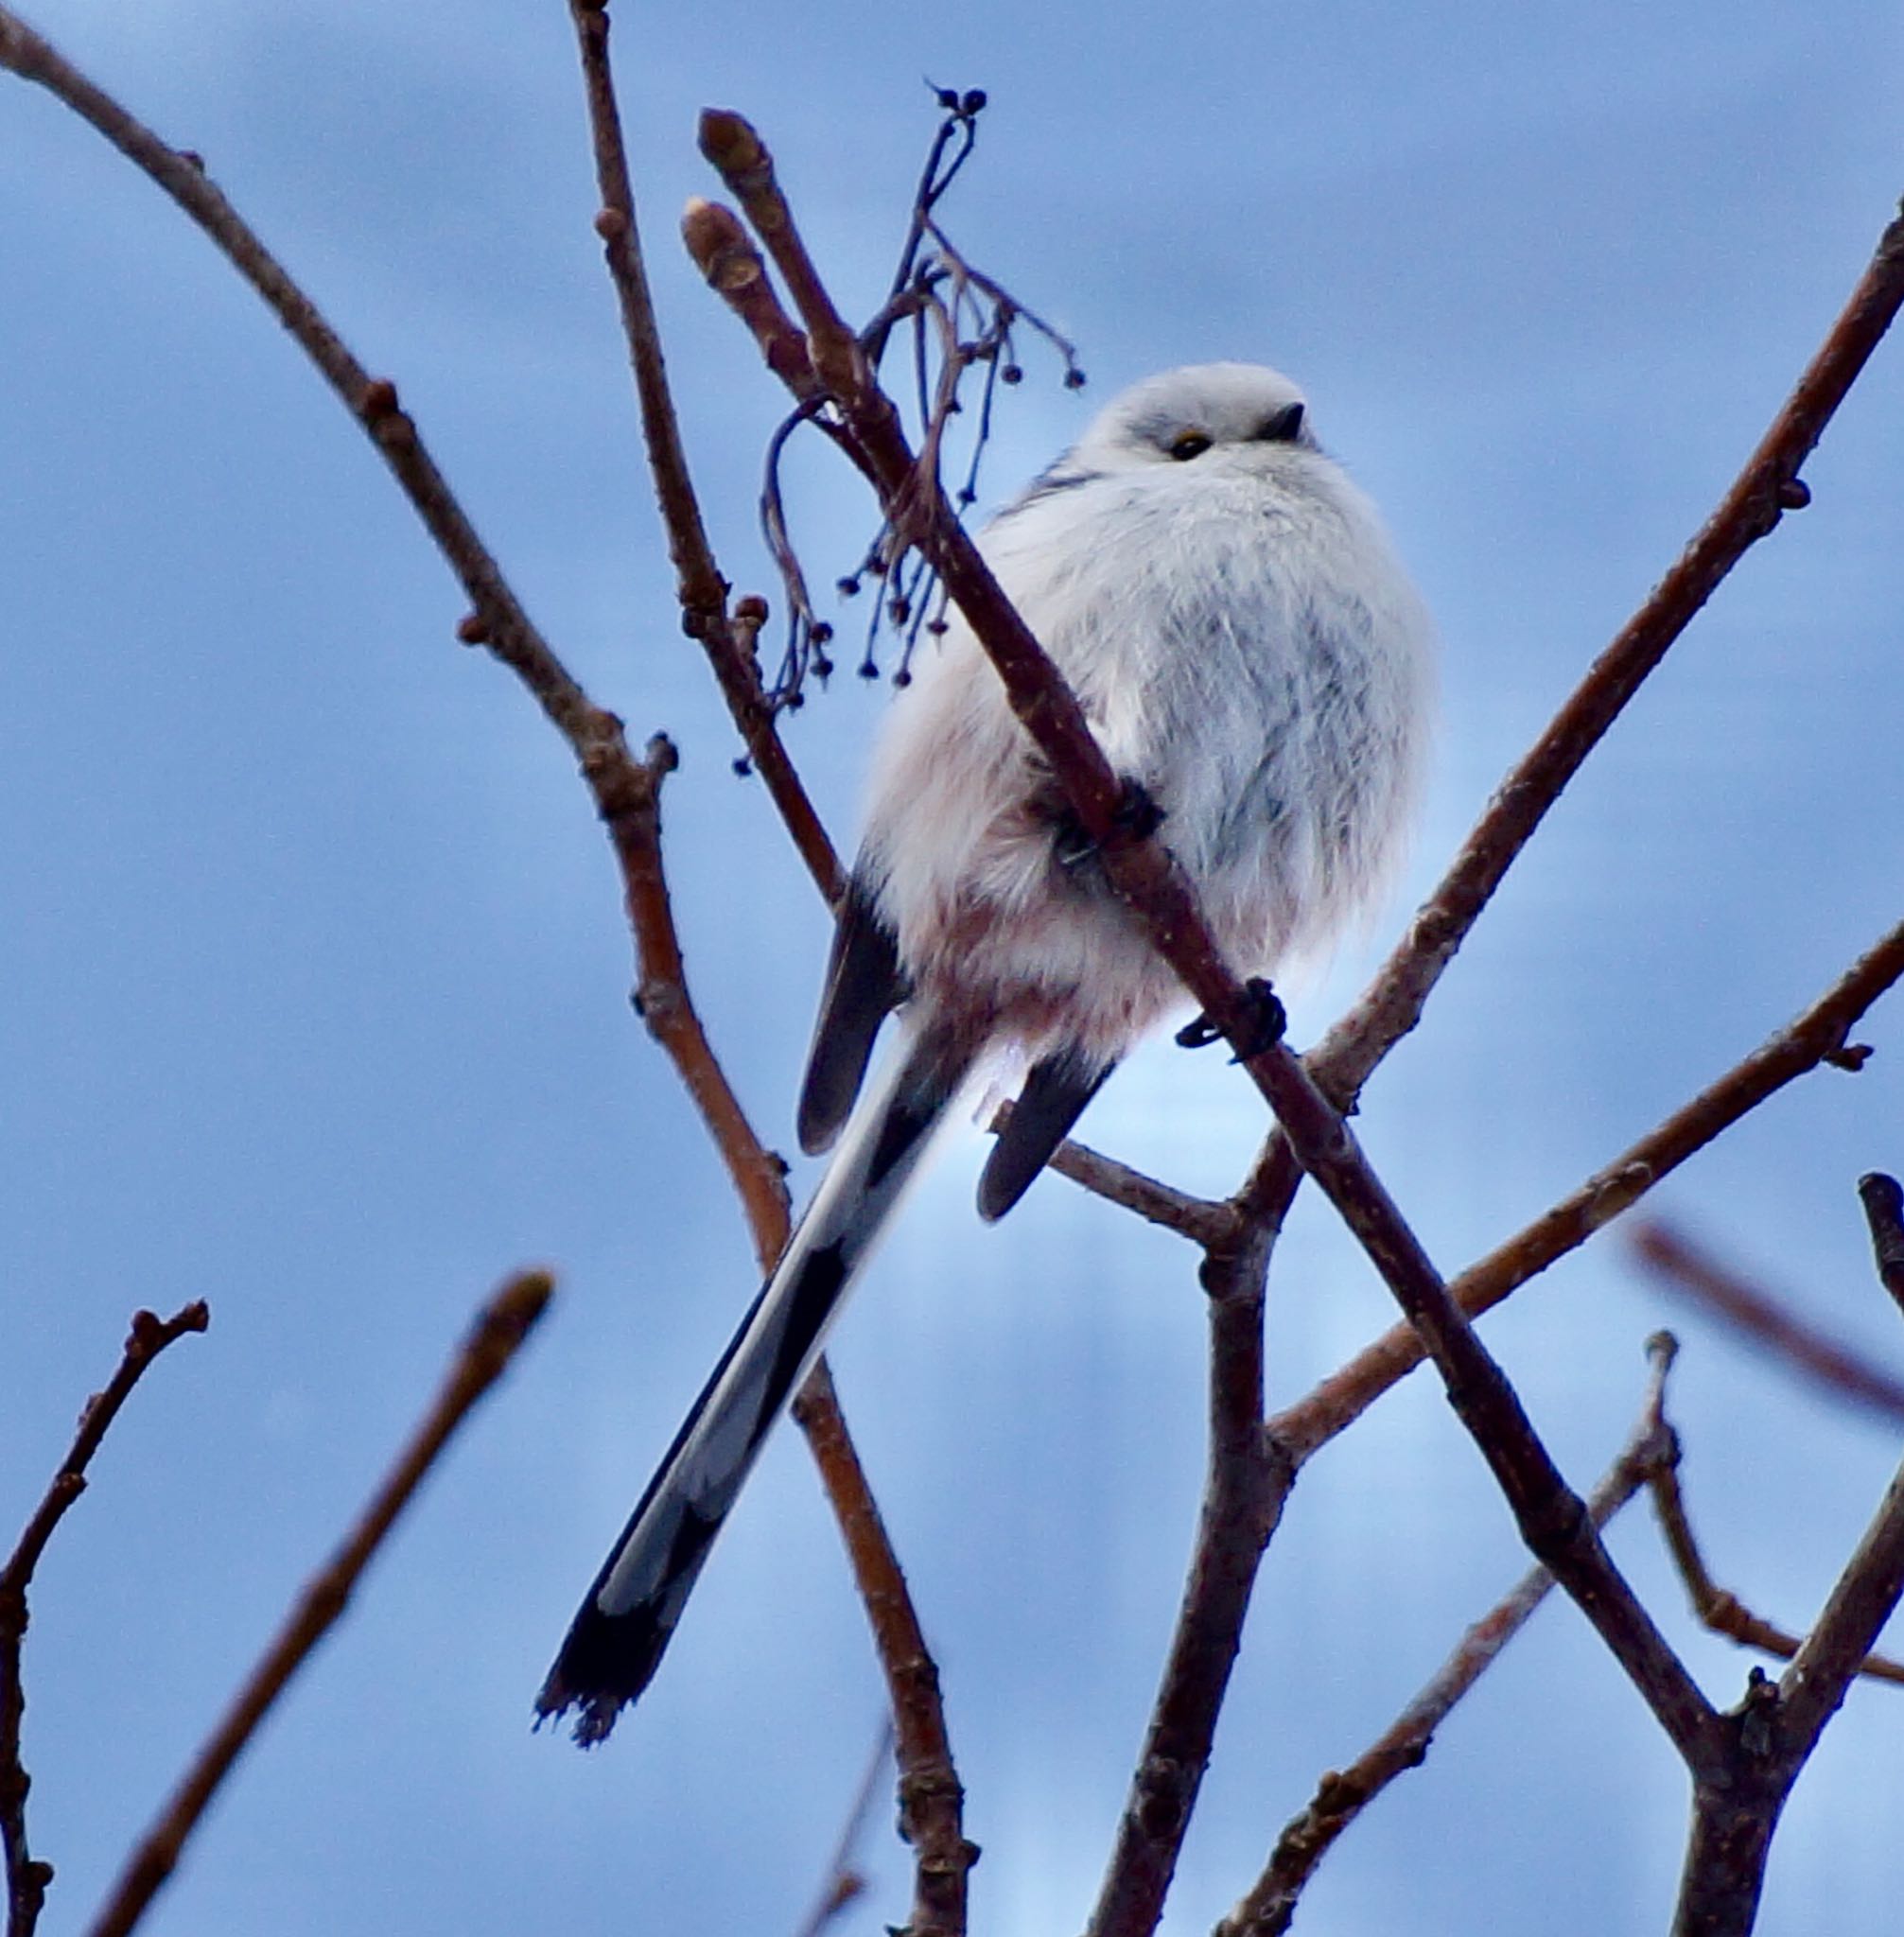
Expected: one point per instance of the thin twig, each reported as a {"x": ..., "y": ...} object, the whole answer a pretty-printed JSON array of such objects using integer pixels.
[
  {"x": 1839, "y": 1647},
  {"x": 1883, "y": 1201},
  {"x": 1720, "y": 1610},
  {"x": 1246, "y": 1487},
  {"x": 497, "y": 620},
  {"x": 702, "y": 589},
  {"x": 932, "y": 1801},
  {"x": 1200, "y": 1219},
  {"x": 1792, "y": 1342},
  {"x": 662, "y": 1001},
  {"x": 1269, "y": 1905},
  {"x": 844, "y": 1881},
  {"x": 1816, "y": 1037},
  {"x": 148, "y": 1335},
  {"x": 492, "y": 1341},
  {"x": 624, "y": 788},
  {"x": 1767, "y": 1740}
]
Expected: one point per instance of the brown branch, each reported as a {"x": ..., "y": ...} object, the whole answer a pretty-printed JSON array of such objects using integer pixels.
[
  {"x": 1792, "y": 1342},
  {"x": 702, "y": 589},
  {"x": 1816, "y": 1037},
  {"x": 624, "y": 789},
  {"x": 1883, "y": 1201},
  {"x": 1553, "y": 1520},
  {"x": 1245, "y": 1489},
  {"x": 737, "y": 151},
  {"x": 844, "y": 1881},
  {"x": 1768, "y": 486},
  {"x": 931, "y": 1798},
  {"x": 1720, "y": 1610},
  {"x": 499, "y": 1329},
  {"x": 1838, "y": 1649},
  {"x": 1268, "y": 1907},
  {"x": 26, "y": 1879},
  {"x": 1768, "y": 1740},
  {"x": 1202, "y": 1221},
  {"x": 662, "y": 1001},
  {"x": 1153, "y": 887},
  {"x": 497, "y": 619}
]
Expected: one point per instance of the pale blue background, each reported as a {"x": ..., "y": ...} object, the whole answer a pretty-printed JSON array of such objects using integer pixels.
[{"x": 315, "y": 978}]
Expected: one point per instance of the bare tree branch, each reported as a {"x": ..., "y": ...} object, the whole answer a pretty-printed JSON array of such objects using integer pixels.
[
  {"x": 932, "y": 1801},
  {"x": 1791, "y": 1341},
  {"x": 845, "y": 1883},
  {"x": 1718, "y": 1607},
  {"x": 499, "y": 1329},
  {"x": 664, "y": 1004},
  {"x": 1203, "y": 1222},
  {"x": 497, "y": 619},
  {"x": 1816, "y": 1037},
  {"x": 701, "y": 589},
  {"x": 1768, "y": 1740},
  {"x": 1883, "y": 1201},
  {"x": 26, "y": 1879},
  {"x": 1269, "y": 1906},
  {"x": 1245, "y": 1486},
  {"x": 623, "y": 790},
  {"x": 626, "y": 792}
]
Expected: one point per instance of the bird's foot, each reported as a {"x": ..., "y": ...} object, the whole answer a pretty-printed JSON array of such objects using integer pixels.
[
  {"x": 1137, "y": 818},
  {"x": 1269, "y": 1020}
]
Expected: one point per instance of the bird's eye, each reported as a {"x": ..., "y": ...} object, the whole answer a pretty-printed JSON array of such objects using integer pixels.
[
  {"x": 1281, "y": 426},
  {"x": 1188, "y": 445}
]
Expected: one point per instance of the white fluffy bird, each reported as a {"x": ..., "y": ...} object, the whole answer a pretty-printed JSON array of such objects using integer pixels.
[{"x": 1250, "y": 653}]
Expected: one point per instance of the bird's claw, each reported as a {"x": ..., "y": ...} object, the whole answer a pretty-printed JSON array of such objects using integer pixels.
[
  {"x": 1268, "y": 1022},
  {"x": 1138, "y": 817}
]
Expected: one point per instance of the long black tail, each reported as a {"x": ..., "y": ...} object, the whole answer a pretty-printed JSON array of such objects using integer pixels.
[{"x": 617, "y": 1639}]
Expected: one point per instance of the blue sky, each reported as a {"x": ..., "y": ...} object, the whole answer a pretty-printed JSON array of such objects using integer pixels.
[{"x": 315, "y": 978}]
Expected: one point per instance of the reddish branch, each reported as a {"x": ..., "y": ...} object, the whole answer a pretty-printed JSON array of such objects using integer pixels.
[
  {"x": 1883, "y": 1201},
  {"x": 499, "y": 1329},
  {"x": 1247, "y": 1483},
  {"x": 1816, "y": 1037},
  {"x": 27, "y": 1878},
  {"x": 1718, "y": 1607},
  {"x": 702, "y": 589},
  {"x": 664, "y": 1004},
  {"x": 1794, "y": 1342},
  {"x": 1268, "y": 1907},
  {"x": 626, "y": 791},
  {"x": 1768, "y": 486},
  {"x": 1767, "y": 1740},
  {"x": 621, "y": 788},
  {"x": 1211, "y": 1225},
  {"x": 932, "y": 1801}
]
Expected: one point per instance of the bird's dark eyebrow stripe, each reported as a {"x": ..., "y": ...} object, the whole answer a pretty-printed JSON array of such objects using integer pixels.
[{"x": 1043, "y": 485}]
